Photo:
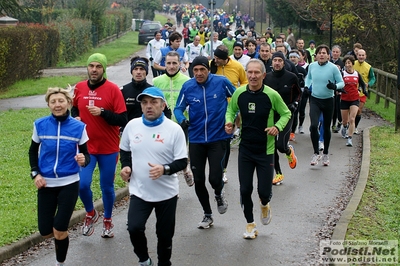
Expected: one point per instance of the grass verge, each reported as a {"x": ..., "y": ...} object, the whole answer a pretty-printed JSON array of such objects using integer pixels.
[
  {"x": 378, "y": 215},
  {"x": 18, "y": 197},
  {"x": 38, "y": 86}
]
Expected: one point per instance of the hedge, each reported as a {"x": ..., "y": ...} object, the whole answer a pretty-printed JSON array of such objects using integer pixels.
[{"x": 24, "y": 50}]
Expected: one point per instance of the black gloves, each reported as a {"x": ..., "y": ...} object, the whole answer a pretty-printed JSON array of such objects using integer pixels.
[
  {"x": 293, "y": 106},
  {"x": 151, "y": 58},
  {"x": 341, "y": 90},
  {"x": 330, "y": 85},
  {"x": 306, "y": 91},
  {"x": 366, "y": 93},
  {"x": 184, "y": 124}
]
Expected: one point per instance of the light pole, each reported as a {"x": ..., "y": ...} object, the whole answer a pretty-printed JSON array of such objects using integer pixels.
[{"x": 331, "y": 26}]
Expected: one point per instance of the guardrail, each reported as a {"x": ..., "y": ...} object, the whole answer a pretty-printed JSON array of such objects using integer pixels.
[{"x": 386, "y": 88}]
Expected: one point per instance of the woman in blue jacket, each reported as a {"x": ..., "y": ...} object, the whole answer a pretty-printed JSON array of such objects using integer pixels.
[{"x": 58, "y": 150}]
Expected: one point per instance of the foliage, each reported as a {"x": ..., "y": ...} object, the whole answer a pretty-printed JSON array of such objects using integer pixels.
[
  {"x": 18, "y": 197},
  {"x": 75, "y": 38},
  {"x": 93, "y": 10},
  {"x": 374, "y": 24},
  {"x": 24, "y": 50},
  {"x": 10, "y": 8}
]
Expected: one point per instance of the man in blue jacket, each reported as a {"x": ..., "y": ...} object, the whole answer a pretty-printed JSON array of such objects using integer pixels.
[{"x": 206, "y": 96}]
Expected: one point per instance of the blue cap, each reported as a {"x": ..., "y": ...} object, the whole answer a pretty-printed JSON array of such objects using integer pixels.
[
  {"x": 152, "y": 92},
  {"x": 312, "y": 41}
]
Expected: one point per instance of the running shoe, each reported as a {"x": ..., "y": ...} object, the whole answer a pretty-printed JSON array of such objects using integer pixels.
[
  {"x": 349, "y": 142},
  {"x": 222, "y": 203},
  {"x": 206, "y": 223},
  {"x": 265, "y": 214},
  {"x": 315, "y": 158},
  {"x": 251, "y": 231},
  {"x": 292, "y": 159},
  {"x": 278, "y": 179},
  {"x": 224, "y": 177},
  {"x": 107, "y": 229},
  {"x": 344, "y": 132},
  {"x": 148, "y": 262},
  {"x": 301, "y": 130},
  {"x": 88, "y": 223},
  {"x": 325, "y": 159},
  {"x": 188, "y": 175},
  {"x": 321, "y": 145},
  {"x": 356, "y": 131},
  {"x": 292, "y": 137}
]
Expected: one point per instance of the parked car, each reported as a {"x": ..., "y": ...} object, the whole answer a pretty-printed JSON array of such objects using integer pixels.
[{"x": 146, "y": 32}]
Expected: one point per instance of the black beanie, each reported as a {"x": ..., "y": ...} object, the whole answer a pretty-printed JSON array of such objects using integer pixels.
[
  {"x": 140, "y": 63},
  {"x": 201, "y": 60},
  {"x": 238, "y": 43},
  {"x": 278, "y": 54}
]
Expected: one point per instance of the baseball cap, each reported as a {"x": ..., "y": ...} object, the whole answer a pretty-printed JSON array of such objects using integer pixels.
[
  {"x": 227, "y": 24},
  {"x": 153, "y": 92},
  {"x": 231, "y": 33}
]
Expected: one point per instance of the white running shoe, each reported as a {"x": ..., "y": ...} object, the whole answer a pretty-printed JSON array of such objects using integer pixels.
[
  {"x": 206, "y": 223},
  {"x": 325, "y": 159},
  {"x": 251, "y": 231},
  {"x": 315, "y": 158}
]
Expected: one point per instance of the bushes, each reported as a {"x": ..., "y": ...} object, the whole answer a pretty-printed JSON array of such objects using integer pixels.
[
  {"x": 26, "y": 49},
  {"x": 75, "y": 38}
]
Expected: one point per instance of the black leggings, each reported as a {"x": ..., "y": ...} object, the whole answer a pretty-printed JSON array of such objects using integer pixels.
[
  {"x": 318, "y": 106},
  {"x": 337, "y": 114},
  {"x": 302, "y": 108},
  {"x": 263, "y": 164},
  {"x": 138, "y": 213},
  {"x": 55, "y": 207},
  {"x": 281, "y": 144},
  {"x": 215, "y": 153}
]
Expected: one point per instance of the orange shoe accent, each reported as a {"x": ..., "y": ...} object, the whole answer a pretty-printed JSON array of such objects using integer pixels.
[
  {"x": 292, "y": 137},
  {"x": 292, "y": 159},
  {"x": 277, "y": 179}
]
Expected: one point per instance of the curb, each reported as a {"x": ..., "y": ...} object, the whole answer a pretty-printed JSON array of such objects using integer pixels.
[
  {"x": 22, "y": 245},
  {"x": 339, "y": 233}
]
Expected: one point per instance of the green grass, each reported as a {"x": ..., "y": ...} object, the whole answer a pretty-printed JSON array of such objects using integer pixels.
[
  {"x": 38, "y": 86},
  {"x": 378, "y": 215},
  {"x": 386, "y": 113},
  {"x": 18, "y": 193}
]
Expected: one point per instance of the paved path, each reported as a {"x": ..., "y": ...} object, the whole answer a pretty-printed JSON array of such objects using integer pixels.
[{"x": 300, "y": 208}]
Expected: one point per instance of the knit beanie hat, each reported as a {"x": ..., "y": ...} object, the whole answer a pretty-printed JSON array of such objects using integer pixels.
[
  {"x": 240, "y": 44},
  {"x": 140, "y": 63},
  {"x": 278, "y": 54},
  {"x": 201, "y": 60},
  {"x": 100, "y": 58}
]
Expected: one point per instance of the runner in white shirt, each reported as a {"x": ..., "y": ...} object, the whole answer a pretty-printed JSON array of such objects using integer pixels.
[
  {"x": 152, "y": 49},
  {"x": 193, "y": 50},
  {"x": 238, "y": 54},
  {"x": 215, "y": 44}
]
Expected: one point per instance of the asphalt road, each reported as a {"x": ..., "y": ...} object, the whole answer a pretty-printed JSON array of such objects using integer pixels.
[{"x": 300, "y": 209}]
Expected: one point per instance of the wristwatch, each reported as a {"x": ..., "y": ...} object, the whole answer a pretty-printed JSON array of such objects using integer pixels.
[
  {"x": 34, "y": 174},
  {"x": 167, "y": 169},
  {"x": 101, "y": 110}
]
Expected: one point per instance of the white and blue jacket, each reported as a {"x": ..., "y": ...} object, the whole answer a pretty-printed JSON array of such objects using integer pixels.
[{"x": 59, "y": 142}]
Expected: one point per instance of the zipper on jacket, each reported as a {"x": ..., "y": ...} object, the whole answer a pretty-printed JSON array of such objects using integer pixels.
[
  {"x": 58, "y": 149},
  {"x": 205, "y": 111}
]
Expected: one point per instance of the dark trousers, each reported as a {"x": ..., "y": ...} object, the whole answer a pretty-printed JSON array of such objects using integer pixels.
[
  {"x": 55, "y": 207},
  {"x": 264, "y": 165},
  {"x": 318, "y": 106},
  {"x": 138, "y": 213},
  {"x": 156, "y": 72},
  {"x": 282, "y": 144},
  {"x": 337, "y": 115},
  {"x": 302, "y": 108},
  {"x": 214, "y": 152}
]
